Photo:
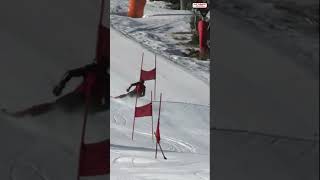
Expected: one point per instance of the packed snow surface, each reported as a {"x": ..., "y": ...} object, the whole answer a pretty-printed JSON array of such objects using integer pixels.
[
  {"x": 184, "y": 123},
  {"x": 184, "y": 84},
  {"x": 161, "y": 30}
]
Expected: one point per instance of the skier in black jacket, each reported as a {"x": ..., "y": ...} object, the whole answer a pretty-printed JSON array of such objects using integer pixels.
[
  {"x": 94, "y": 75},
  {"x": 139, "y": 90}
]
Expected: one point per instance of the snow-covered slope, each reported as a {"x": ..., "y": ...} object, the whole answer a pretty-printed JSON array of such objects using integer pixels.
[
  {"x": 174, "y": 81},
  {"x": 162, "y": 30},
  {"x": 184, "y": 139},
  {"x": 184, "y": 118}
]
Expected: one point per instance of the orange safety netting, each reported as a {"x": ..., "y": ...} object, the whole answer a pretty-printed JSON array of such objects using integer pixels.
[{"x": 136, "y": 8}]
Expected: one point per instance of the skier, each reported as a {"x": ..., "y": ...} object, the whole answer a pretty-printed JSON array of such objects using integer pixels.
[
  {"x": 94, "y": 89},
  {"x": 139, "y": 90},
  {"x": 94, "y": 75}
]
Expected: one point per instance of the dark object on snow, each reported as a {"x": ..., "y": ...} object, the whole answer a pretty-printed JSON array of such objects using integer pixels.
[
  {"x": 95, "y": 75},
  {"x": 139, "y": 90},
  {"x": 99, "y": 88},
  {"x": 95, "y": 83}
]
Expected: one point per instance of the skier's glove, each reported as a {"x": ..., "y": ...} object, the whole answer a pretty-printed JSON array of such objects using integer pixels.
[
  {"x": 128, "y": 89},
  {"x": 57, "y": 90}
]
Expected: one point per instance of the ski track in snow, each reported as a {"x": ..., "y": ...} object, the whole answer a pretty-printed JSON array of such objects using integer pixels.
[{"x": 135, "y": 159}]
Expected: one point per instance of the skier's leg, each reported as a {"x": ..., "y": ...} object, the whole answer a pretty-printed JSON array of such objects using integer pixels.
[
  {"x": 162, "y": 151},
  {"x": 34, "y": 110},
  {"x": 132, "y": 93},
  {"x": 121, "y": 96},
  {"x": 70, "y": 102},
  {"x": 67, "y": 102}
]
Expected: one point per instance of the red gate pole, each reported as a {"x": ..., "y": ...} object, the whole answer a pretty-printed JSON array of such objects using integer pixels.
[
  {"x": 101, "y": 12},
  {"x": 87, "y": 102},
  {"x": 151, "y": 117},
  {"x": 160, "y": 108},
  {"x": 135, "y": 106},
  {"x": 134, "y": 118},
  {"x": 141, "y": 65},
  {"x": 155, "y": 78},
  {"x": 159, "y": 125},
  {"x": 100, "y": 22}
]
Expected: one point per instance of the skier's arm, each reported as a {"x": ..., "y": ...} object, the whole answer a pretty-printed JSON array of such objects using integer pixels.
[
  {"x": 129, "y": 88},
  {"x": 78, "y": 72},
  {"x": 133, "y": 84},
  {"x": 69, "y": 75}
]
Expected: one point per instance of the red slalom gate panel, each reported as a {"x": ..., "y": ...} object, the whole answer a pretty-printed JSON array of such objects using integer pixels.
[
  {"x": 148, "y": 75},
  {"x": 94, "y": 159},
  {"x": 145, "y": 110}
]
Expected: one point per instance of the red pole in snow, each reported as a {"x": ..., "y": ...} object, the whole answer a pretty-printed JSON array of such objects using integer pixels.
[
  {"x": 135, "y": 106},
  {"x": 155, "y": 78},
  {"x": 87, "y": 102},
  {"x": 159, "y": 127},
  {"x": 158, "y": 142},
  {"x": 151, "y": 117},
  {"x": 99, "y": 30},
  {"x": 141, "y": 65},
  {"x": 134, "y": 119},
  {"x": 159, "y": 109},
  {"x": 101, "y": 12}
]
